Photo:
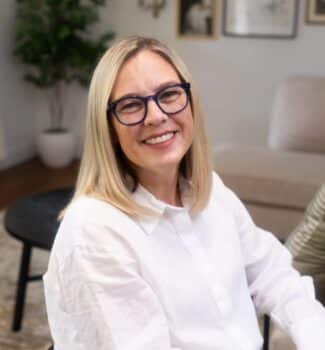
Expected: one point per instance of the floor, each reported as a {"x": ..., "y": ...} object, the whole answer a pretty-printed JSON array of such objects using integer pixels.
[
  {"x": 31, "y": 177},
  {"x": 34, "y": 334}
]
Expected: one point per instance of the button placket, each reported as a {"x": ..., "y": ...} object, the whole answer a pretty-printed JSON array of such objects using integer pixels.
[{"x": 184, "y": 228}]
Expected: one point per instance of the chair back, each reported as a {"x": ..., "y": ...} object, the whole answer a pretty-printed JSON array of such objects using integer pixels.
[{"x": 298, "y": 115}]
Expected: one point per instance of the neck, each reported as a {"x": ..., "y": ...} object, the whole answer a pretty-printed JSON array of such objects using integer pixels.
[{"x": 162, "y": 186}]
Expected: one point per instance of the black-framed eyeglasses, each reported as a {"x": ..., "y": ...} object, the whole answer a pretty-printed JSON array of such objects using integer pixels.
[{"x": 132, "y": 110}]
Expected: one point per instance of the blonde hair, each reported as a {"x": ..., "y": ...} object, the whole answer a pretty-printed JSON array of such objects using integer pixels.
[{"x": 104, "y": 171}]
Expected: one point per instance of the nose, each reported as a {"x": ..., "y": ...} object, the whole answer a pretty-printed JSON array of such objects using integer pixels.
[{"x": 155, "y": 115}]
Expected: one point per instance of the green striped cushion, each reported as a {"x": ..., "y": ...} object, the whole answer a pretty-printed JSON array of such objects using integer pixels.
[{"x": 307, "y": 243}]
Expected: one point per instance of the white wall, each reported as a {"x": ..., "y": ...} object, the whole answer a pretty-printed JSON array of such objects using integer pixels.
[
  {"x": 24, "y": 108},
  {"x": 16, "y": 97},
  {"x": 237, "y": 77},
  {"x": 3, "y": 150}
]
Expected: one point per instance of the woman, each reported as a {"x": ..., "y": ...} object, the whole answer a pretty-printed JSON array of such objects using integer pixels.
[{"x": 154, "y": 251}]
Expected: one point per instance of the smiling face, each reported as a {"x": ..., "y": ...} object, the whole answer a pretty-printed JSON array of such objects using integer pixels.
[{"x": 157, "y": 145}]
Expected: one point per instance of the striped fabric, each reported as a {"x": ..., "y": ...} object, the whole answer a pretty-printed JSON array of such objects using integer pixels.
[{"x": 307, "y": 243}]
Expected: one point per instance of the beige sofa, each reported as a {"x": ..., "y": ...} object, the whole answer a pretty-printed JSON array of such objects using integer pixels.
[{"x": 277, "y": 182}]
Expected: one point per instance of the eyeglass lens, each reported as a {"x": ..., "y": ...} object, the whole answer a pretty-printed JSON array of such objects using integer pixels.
[{"x": 170, "y": 100}]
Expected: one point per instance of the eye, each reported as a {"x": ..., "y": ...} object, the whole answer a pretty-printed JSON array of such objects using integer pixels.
[
  {"x": 170, "y": 94},
  {"x": 129, "y": 105}
]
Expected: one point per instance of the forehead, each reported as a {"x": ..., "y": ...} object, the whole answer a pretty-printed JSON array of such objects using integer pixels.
[{"x": 143, "y": 73}]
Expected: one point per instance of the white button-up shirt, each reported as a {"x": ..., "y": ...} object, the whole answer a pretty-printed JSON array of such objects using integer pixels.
[{"x": 173, "y": 281}]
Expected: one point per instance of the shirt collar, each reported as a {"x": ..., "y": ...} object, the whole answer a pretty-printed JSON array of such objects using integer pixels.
[{"x": 145, "y": 198}]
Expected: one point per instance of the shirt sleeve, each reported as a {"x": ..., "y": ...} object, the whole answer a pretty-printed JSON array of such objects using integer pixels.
[
  {"x": 97, "y": 299},
  {"x": 276, "y": 287}
]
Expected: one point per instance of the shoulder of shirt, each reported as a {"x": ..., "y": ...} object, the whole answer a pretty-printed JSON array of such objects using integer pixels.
[
  {"x": 229, "y": 200},
  {"x": 218, "y": 187},
  {"x": 93, "y": 211},
  {"x": 223, "y": 193},
  {"x": 92, "y": 223},
  {"x": 216, "y": 179},
  {"x": 89, "y": 208}
]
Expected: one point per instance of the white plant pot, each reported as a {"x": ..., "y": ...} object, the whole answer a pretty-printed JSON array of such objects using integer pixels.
[{"x": 56, "y": 149}]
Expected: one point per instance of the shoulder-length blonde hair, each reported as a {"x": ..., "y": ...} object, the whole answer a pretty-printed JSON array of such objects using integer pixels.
[{"x": 105, "y": 172}]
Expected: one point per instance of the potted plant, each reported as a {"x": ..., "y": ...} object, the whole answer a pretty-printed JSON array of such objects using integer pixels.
[{"x": 53, "y": 38}]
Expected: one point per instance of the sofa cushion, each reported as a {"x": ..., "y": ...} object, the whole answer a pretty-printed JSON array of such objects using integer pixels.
[
  {"x": 307, "y": 243},
  {"x": 269, "y": 177},
  {"x": 298, "y": 116},
  {"x": 278, "y": 220}
]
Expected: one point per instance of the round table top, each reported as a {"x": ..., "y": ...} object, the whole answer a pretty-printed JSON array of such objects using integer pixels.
[{"x": 34, "y": 219}]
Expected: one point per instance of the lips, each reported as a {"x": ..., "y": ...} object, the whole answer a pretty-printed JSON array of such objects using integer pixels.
[{"x": 153, "y": 140}]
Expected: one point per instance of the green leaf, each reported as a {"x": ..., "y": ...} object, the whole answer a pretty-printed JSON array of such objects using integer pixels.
[{"x": 54, "y": 38}]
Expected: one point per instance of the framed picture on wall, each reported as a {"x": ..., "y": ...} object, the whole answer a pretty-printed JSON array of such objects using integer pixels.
[
  {"x": 197, "y": 18},
  {"x": 315, "y": 12},
  {"x": 261, "y": 19}
]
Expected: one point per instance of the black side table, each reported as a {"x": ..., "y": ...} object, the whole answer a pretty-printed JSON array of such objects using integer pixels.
[{"x": 33, "y": 221}]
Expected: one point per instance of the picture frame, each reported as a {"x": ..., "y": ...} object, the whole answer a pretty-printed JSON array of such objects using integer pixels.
[
  {"x": 315, "y": 12},
  {"x": 260, "y": 19},
  {"x": 197, "y": 19}
]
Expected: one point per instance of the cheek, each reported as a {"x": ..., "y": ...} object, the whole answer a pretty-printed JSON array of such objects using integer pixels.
[
  {"x": 126, "y": 138},
  {"x": 127, "y": 148},
  {"x": 119, "y": 133}
]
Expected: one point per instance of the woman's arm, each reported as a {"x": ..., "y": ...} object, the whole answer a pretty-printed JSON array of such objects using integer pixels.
[{"x": 275, "y": 286}]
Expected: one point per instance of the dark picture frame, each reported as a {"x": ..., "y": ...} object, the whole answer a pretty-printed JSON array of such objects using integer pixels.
[
  {"x": 197, "y": 18},
  {"x": 315, "y": 12},
  {"x": 257, "y": 19}
]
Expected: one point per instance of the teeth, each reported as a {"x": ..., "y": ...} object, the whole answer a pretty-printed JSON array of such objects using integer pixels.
[{"x": 160, "y": 139}]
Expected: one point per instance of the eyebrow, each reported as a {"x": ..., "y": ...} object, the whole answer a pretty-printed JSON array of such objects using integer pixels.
[{"x": 159, "y": 87}]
